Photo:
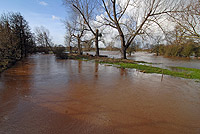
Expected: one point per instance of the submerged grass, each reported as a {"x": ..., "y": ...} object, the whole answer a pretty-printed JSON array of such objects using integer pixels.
[
  {"x": 189, "y": 73},
  {"x": 145, "y": 67}
]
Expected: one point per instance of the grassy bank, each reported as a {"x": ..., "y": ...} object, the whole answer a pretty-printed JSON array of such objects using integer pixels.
[
  {"x": 145, "y": 67},
  {"x": 188, "y": 73}
]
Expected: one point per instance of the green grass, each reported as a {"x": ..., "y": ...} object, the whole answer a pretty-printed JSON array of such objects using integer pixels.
[
  {"x": 194, "y": 73},
  {"x": 189, "y": 73}
]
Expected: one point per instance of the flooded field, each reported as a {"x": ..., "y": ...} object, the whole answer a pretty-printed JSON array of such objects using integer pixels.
[
  {"x": 44, "y": 95},
  {"x": 150, "y": 57}
]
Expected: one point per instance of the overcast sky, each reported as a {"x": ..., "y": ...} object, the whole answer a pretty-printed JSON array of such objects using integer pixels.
[{"x": 47, "y": 13}]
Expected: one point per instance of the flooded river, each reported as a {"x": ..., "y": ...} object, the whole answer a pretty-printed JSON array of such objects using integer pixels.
[{"x": 44, "y": 95}]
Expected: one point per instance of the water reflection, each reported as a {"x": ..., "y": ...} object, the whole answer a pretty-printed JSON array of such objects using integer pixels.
[
  {"x": 79, "y": 66},
  {"x": 96, "y": 69},
  {"x": 123, "y": 71}
]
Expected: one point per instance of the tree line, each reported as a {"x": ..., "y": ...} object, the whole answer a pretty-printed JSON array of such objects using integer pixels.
[
  {"x": 178, "y": 45},
  {"x": 16, "y": 39},
  {"x": 133, "y": 19}
]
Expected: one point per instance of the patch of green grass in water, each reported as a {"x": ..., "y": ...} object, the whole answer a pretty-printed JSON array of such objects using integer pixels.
[
  {"x": 195, "y": 73},
  {"x": 189, "y": 73}
]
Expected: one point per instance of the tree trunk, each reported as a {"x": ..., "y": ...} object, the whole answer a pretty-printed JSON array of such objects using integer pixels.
[
  {"x": 47, "y": 44},
  {"x": 123, "y": 46},
  {"x": 79, "y": 46},
  {"x": 69, "y": 43},
  {"x": 70, "y": 49},
  {"x": 96, "y": 42},
  {"x": 123, "y": 51}
]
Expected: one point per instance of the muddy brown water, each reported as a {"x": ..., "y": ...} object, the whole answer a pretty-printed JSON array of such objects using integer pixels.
[{"x": 43, "y": 95}]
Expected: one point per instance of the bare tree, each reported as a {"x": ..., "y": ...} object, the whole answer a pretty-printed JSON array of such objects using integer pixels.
[
  {"x": 43, "y": 37},
  {"x": 76, "y": 29},
  {"x": 69, "y": 35},
  {"x": 86, "y": 8},
  {"x": 155, "y": 47},
  {"x": 189, "y": 18},
  {"x": 88, "y": 44},
  {"x": 132, "y": 18}
]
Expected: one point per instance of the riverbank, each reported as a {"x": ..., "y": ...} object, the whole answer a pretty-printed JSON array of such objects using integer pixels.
[
  {"x": 5, "y": 64},
  {"x": 145, "y": 67}
]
